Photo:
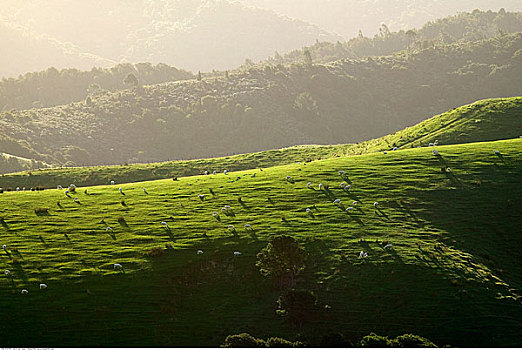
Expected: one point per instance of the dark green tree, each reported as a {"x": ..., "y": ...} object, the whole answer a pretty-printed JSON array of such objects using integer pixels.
[
  {"x": 282, "y": 259},
  {"x": 131, "y": 79}
]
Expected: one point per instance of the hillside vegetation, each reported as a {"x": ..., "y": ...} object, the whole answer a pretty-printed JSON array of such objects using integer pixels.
[
  {"x": 453, "y": 274},
  {"x": 486, "y": 120},
  {"x": 267, "y": 107}
]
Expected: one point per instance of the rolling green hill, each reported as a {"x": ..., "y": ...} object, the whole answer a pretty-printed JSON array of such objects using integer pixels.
[
  {"x": 452, "y": 276},
  {"x": 486, "y": 120}
]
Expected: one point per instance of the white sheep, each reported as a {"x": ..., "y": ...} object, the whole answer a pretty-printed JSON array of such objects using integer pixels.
[
  {"x": 342, "y": 184},
  {"x": 225, "y": 172},
  {"x": 228, "y": 207},
  {"x": 121, "y": 190},
  {"x": 18, "y": 188},
  {"x": 388, "y": 246},
  {"x": 59, "y": 187},
  {"x": 395, "y": 148},
  {"x": 7, "y": 272},
  {"x": 163, "y": 223},
  {"x": 363, "y": 254},
  {"x": 337, "y": 201},
  {"x": 349, "y": 209},
  {"x": 247, "y": 226},
  {"x": 309, "y": 185},
  {"x": 376, "y": 204},
  {"x": 347, "y": 187},
  {"x": 108, "y": 228},
  {"x": 308, "y": 210},
  {"x": 214, "y": 172},
  {"x": 201, "y": 196},
  {"x": 25, "y": 291},
  {"x": 431, "y": 144},
  {"x": 215, "y": 213},
  {"x": 144, "y": 190},
  {"x": 355, "y": 203},
  {"x": 341, "y": 172},
  {"x": 206, "y": 172},
  {"x": 117, "y": 266},
  {"x": 199, "y": 252},
  {"x": 497, "y": 152},
  {"x": 237, "y": 253},
  {"x": 4, "y": 247},
  {"x": 448, "y": 170},
  {"x": 112, "y": 182},
  {"x": 435, "y": 152},
  {"x": 231, "y": 227},
  {"x": 43, "y": 285},
  {"x": 76, "y": 199},
  {"x": 320, "y": 186}
]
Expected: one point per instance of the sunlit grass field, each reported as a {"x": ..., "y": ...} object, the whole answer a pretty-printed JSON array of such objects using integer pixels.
[{"x": 453, "y": 274}]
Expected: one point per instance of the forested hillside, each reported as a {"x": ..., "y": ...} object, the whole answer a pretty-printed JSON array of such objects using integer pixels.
[
  {"x": 265, "y": 107},
  {"x": 464, "y": 27},
  {"x": 52, "y": 87}
]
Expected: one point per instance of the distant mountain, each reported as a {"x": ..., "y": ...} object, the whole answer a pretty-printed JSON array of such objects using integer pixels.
[
  {"x": 24, "y": 50},
  {"x": 265, "y": 106},
  {"x": 347, "y": 17},
  {"x": 195, "y": 34}
]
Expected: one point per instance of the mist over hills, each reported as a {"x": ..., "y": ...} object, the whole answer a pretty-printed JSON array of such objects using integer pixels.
[
  {"x": 195, "y": 34},
  {"x": 347, "y": 17}
]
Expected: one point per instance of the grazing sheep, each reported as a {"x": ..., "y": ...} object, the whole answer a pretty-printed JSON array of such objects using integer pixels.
[
  {"x": 388, "y": 246},
  {"x": 214, "y": 172},
  {"x": 206, "y": 172},
  {"x": 7, "y": 272},
  {"x": 225, "y": 172},
  {"x": 337, "y": 201},
  {"x": 347, "y": 188},
  {"x": 431, "y": 144},
  {"x": 121, "y": 191},
  {"x": 231, "y": 227},
  {"x": 497, "y": 152},
  {"x": 363, "y": 254},
  {"x": 112, "y": 182},
  {"x": 76, "y": 199},
  {"x": 385, "y": 152},
  {"x": 4, "y": 247},
  {"x": 59, "y": 187},
  {"x": 435, "y": 152},
  {"x": 309, "y": 185},
  {"x": 199, "y": 252},
  {"x": 201, "y": 196},
  {"x": 72, "y": 187},
  {"x": 308, "y": 210},
  {"x": 341, "y": 172},
  {"x": 43, "y": 285},
  {"x": 395, "y": 148},
  {"x": 163, "y": 223},
  {"x": 376, "y": 204},
  {"x": 349, "y": 209},
  {"x": 117, "y": 266},
  {"x": 448, "y": 170},
  {"x": 247, "y": 226},
  {"x": 25, "y": 291},
  {"x": 215, "y": 213},
  {"x": 320, "y": 186},
  {"x": 342, "y": 184},
  {"x": 237, "y": 253},
  {"x": 145, "y": 191},
  {"x": 18, "y": 188},
  {"x": 108, "y": 228},
  {"x": 355, "y": 203}
]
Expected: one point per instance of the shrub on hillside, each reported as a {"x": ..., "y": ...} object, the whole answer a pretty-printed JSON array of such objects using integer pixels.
[
  {"x": 412, "y": 341},
  {"x": 276, "y": 342},
  {"x": 375, "y": 341},
  {"x": 334, "y": 340},
  {"x": 243, "y": 340}
]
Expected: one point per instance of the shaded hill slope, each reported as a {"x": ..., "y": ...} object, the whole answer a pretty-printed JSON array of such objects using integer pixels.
[
  {"x": 487, "y": 120},
  {"x": 453, "y": 274}
]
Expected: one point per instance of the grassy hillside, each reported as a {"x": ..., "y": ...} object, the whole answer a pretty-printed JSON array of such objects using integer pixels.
[
  {"x": 453, "y": 274},
  {"x": 486, "y": 120}
]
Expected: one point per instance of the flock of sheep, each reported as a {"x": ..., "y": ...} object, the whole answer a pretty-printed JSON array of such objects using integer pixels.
[{"x": 228, "y": 211}]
